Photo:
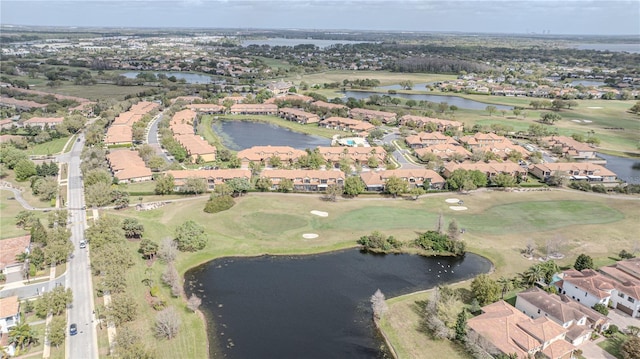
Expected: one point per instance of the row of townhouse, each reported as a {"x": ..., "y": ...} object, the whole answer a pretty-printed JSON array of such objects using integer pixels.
[
  {"x": 20, "y": 105},
  {"x": 359, "y": 127},
  {"x": 300, "y": 116},
  {"x": 127, "y": 166},
  {"x": 211, "y": 177},
  {"x": 570, "y": 147},
  {"x": 181, "y": 125},
  {"x": 120, "y": 132},
  {"x": 43, "y": 122},
  {"x": 422, "y": 122},
  {"x": 617, "y": 286},
  {"x": 501, "y": 146}
]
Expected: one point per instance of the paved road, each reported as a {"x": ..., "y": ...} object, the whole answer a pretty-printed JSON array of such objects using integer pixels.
[
  {"x": 32, "y": 290},
  {"x": 152, "y": 137},
  {"x": 78, "y": 278},
  {"x": 399, "y": 154}
]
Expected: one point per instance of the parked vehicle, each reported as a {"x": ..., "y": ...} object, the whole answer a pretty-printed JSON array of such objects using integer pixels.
[{"x": 73, "y": 329}]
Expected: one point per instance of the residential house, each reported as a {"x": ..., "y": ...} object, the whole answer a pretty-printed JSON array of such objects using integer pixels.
[
  {"x": 355, "y": 155},
  {"x": 118, "y": 135},
  {"x": 197, "y": 148},
  {"x": 491, "y": 169},
  {"x": 347, "y": 124},
  {"x": 509, "y": 331},
  {"x": 43, "y": 122},
  {"x": 626, "y": 277},
  {"x": 371, "y": 115},
  {"x": 280, "y": 87},
  {"x": 262, "y": 154},
  {"x": 479, "y": 140},
  {"x": 423, "y": 122},
  {"x": 503, "y": 150},
  {"x": 207, "y": 108},
  {"x": 587, "y": 287},
  {"x": 305, "y": 180},
  {"x": 292, "y": 98},
  {"x": 575, "y": 171},
  {"x": 427, "y": 179},
  {"x": 299, "y": 116},
  {"x": 9, "y": 318},
  {"x": 425, "y": 139},
  {"x": 211, "y": 177},
  {"x": 326, "y": 107},
  {"x": 570, "y": 147},
  {"x": 254, "y": 109},
  {"x": 580, "y": 321},
  {"x": 444, "y": 151},
  {"x": 128, "y": 167},
  {"x": 20, "y": 105},
  {"x": 7, "y": 123},
  {"x": 10, "y": 248}
]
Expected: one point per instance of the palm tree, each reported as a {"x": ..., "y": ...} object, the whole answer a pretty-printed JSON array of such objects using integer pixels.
[
  {"x": 506, "y": 285},
  {"x": 533, "y": 274},
  {"x": 22, "y": 335}
]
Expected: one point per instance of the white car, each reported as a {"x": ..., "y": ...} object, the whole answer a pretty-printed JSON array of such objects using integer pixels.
[{"x": 83, "y": 244}]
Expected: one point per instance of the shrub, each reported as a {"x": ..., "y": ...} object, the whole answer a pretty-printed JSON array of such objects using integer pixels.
[
  {"x": 601, "y": 308},
  {"x": 154, "y": 291},
  {"x": 377, "y": 242},
  {"x": 219, "y": 204}
]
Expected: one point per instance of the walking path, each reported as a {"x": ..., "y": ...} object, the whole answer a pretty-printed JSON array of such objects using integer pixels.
[{"x": 46, "y": 352}]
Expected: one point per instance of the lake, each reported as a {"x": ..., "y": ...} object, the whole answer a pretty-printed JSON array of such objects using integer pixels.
[
  {"x": 240, "y": 135},
  {"x": 623, "y": 167},
  {"x": 293, "y": 42},
  {"x": 588, "y": 83},
  {"x": 421, "y": 86},
  {"x": 451, "y": 100},
  {"x": 190, "y": 78},
  {"x": 315, "y": 306}
]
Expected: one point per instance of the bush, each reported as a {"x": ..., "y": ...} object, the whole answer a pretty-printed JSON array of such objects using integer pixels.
[
  {"x": 613, "y": 329},
  {"x": 377, "y": 242},
  {"x": 601, "y": 308},
  {"x": 598, "y": 188},
  {"x": 219, "y": 204},
  {"x": 580, "y": 185},
  {"x": 154, "y": 291}
]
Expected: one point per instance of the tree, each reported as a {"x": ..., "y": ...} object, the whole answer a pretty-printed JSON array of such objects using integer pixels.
[
  {"x": 25, "y": 219},
  {"x": 285, "y": 185},
  {"x": 239, "y": 185},
  {"x": 601, "y": 308},
  {"x": 411, "y": 103},
  {"x": 440, "y": 224},
  {"x": 190, "y": 237},
  {"x": 148, "y": 248},
  {"x": 485, "y": 289},
  {"x": 461, "y": 326},
  {"x": 106, "y": 229},
  {"x": 167, "y": 323},
  {"x": 194, "y": 302},
  {"x": 630, "y": 349},
  {"x": 503, "y": 180},
  {"x": 550, "y": 118},
  {"x": 22, "y": 335},
  {"x": 54, "y": 301},
  {"x": 491, "y": 109},
  {"x": 332, "y": 192},
  {"x": 635, "y": 109},
  {"x": 583, "y": 262},
  {"x": 168, "y": 250},
  {"x": 24, "y": 169},
  {"x": 263, "y": 184},
  {"x": 505, "y": 285},
  {"x": 194, "y": 185},
  {"x": 454, "y": 230},
  {"x": 130, "y": 346},
  {"x": 532, "y": 275},
  {"x": 98, "y": 194},
  {"x": 122, "y": 309},
  {"x": 132, "y": 228},
  {"x": 57, "y": 331},
  {"x": 156, "y": 163},
  {"x": 395, "y": 186},
  {"x": 165, "y": 184},
  {"x": 558, "y": 104},
  {"x": 378, "y": 304},
  {"x": 353, "y": 186},
  {"x": 217, "y": 204}
]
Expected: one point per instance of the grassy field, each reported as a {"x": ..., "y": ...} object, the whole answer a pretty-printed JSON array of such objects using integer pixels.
[
  {"x": 385, "y": 78},
  {"x": 274, "y": 224},
  {"x": 48, "y": 148},
  {"x": 26, "y": 193},
  {"x": 612, "y": 345},
  {"x": 9, "y": 208}
]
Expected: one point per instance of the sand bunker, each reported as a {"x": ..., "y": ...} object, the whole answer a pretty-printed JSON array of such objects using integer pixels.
[
  {"x": 594, "y": 107},
  {"x": 452, "y": 200},
  {"x": 458, "y": 208},
  {"x": 309, "y": 235},
  {"x": 587, "y": 121},
  {"x": 320, "y": 213},
  {"x": 578, "y": 121}
]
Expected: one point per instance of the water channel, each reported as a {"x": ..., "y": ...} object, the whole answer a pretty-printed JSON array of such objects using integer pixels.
[
  {"x": 190, "y": 78},
  {"x": 623, "y": 167},
  {"x": 451, "y": 100},
  {"x": 315, "y": 306},
  {"x": 239, "y": 135}
]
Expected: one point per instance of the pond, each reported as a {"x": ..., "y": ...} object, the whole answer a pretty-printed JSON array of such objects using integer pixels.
[
  {"x": 240, "y": 135},
  {"x": 623, "y": 167},
  {"x": 315, "y": 306},
  {"x": 420, "y": 86},
  {"x": 451, "y": 100},
  {"x": 588, "y": 83},
  {"x": 190, "y": 78},
  {"x": 613, "y": 47},
  {"x": 293, "y": 42}
]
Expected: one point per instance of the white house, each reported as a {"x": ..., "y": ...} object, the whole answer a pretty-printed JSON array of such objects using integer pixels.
[
  {"x": 626, "y": 279},
  {"x": 9, "y": 318},
  {"x": 587, "y": 287}
]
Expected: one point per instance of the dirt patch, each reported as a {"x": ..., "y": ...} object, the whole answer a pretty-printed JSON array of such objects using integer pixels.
[{"x": 320, "y": 213}]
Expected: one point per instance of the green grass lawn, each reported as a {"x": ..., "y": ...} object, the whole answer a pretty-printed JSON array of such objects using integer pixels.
[
  {"x": 48, "y": 148},
  {"x": 612, "y": 345},
  {"x": 9, "y": 208},
  {"x": 385, "y": 77}
]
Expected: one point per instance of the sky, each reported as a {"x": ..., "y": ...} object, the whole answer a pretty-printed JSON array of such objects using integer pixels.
[{"x": 579, "y": 17}]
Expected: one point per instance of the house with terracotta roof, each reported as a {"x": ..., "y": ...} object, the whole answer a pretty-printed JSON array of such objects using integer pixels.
[
  {"x": 196, "y": 147},
  {"x": 570, "y": 147},
  {"x": 6, "y": 123},
  {"x": 233, "y": 99},
  {"x": 587, "y": 287},
  {"x": 423, "y": 122},
  {"x": 21, "y": 105},
  {"x": 118, "y": 135},
  {"x": 280, "y": 87},
  {"x": 419, "y": 177},
  {"x": 207, "y": 108},
  {"x": 479, "y": 140},
  {"x": 346, "y": 124},
  {"x": 327, "y": 106},
  {"x": 509, "y": 331},
  {"x": 262, "y": 154},
  {"x": 425, "y": 139},
  {"x": 128, "y": 167},
  {"x": 356, "y": 155},
  {"x": 491, "y": 169},
  {"x": 254, "y": 109},
  {"x": 211, "y": 177},
  {"x": 305, "y": 180},
  {"x": 503, "y": 149},
  {"x": 299, "y": 116},
  {"x": 575, "y": 171},
  {"x": 42, "y": 122},
  {"x": 370, "y": 115},
  {"x": 9, "y": 318},
  {"x": 444, "y": 151},
  {"x": 626, "y": 280},
  {"x": 9, "y": 249},
  {"x": 294, "y": 98},
  {"x": 579, "y": 320}
]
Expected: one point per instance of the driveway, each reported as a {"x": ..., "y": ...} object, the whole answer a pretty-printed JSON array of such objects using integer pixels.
[
  {"x": 622, "y": 320},
  {"x": 591, "y": 350}
]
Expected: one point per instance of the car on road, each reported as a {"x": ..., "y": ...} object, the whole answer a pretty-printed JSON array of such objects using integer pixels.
[
  {"x": 73, "y": 329},
  {"x": 83, "y": 244}
]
